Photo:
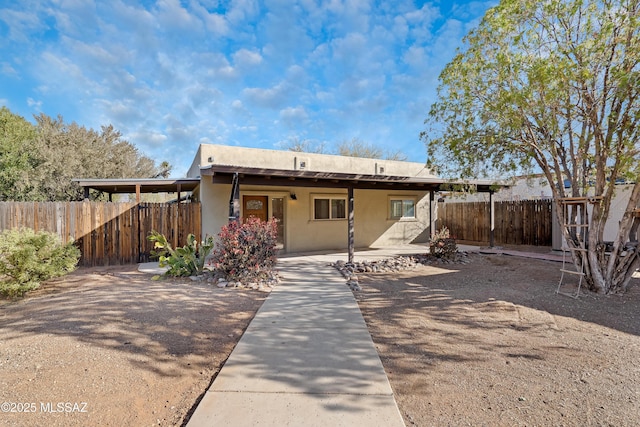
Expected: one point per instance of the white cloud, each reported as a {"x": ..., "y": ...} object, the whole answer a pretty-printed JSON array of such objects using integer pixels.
[
  {"x": 173, "y": 17},
  {"x": 34, "y": 104},
  {"x": 416, "y": 57},
  {"x": 294, "y": 116},
  {"x": 95, "y": 54},
  {"x": 148, "y": 138},
  {"x": 246, "y": 58},
  {"x": 8, "y": 70},
  {"x": 66, "y": 73},
  {"x": 21, "y": 23},
  {"x": 242, "y": 10},
  {"x": 273, "y": 97},
  {"x": 214, "y": 22}
]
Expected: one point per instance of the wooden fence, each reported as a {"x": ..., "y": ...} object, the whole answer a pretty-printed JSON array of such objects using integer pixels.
[
  {"x": 106, "y": 233},
  {"x": 526, "y": 222}
]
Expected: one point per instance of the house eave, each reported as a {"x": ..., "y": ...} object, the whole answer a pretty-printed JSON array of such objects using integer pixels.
[{"x": 223, "y": 174}]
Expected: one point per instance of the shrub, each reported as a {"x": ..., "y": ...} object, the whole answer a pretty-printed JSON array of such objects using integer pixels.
[
  {"x": 188, "y": 260},
  {"x": 246, "y": 251},
  {"x": 442, "y": 245},
  {"x": 28, "y": 258}
]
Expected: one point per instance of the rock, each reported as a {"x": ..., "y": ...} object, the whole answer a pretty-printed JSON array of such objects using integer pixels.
[{"x": 222, "y": 284}]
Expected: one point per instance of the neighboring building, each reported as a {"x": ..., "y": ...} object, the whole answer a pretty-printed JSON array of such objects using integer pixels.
[
  {"x": 309, "y": 195},
  {"x": 529, "y": 187}
]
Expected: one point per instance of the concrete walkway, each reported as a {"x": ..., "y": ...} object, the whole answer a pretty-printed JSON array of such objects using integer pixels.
[{"x": 306, "y": 359}]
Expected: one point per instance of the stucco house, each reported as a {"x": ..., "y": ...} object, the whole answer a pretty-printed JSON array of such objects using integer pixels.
[{"x": 321, "y": 202}]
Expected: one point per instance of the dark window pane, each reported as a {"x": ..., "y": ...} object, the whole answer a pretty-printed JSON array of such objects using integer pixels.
[
  {"x": 321, "y": 208},
  {"x": 338, "y": 208}
]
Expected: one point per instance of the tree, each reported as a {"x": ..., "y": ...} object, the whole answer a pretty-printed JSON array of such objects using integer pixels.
[
  {"x": 353, "y": 148},
  {"x": 38, "y": 162},
  {"x": 67, "y": 151},
  {"x": 554, "y": 85},
  {"x": 16, "y": 156},
  {"x": 305, "y": 146},
  {"x": 358, "y": 148}
]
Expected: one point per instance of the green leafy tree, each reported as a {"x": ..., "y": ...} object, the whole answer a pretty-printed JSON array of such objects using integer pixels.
[
  {"x": 38, "y": 162},
  {"x": 17, "y": 158},
  {"x": 67, "y": 151},
  {"x": 554, "y": 85}
]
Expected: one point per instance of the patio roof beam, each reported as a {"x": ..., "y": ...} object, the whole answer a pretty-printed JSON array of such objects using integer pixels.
[
  {"x": 296, "y": 182},
  {"x": 301, "y": 178}
]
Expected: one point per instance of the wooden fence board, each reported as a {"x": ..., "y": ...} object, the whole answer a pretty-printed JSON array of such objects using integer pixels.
[
  {"x": 106, "y": 233},
  {"x": 527, "y": 222}
]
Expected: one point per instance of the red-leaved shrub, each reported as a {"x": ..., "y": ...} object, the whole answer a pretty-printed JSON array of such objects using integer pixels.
[{"x": 246, "y": 251}]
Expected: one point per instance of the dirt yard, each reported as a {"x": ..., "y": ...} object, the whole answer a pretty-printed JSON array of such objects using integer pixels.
[
  {"x": 489, "y": 343},
  {"x": 111, "y": 347}
]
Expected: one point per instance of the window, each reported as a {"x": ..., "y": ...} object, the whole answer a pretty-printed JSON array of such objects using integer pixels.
[
  {"x": 403, "y": 208},
  {"x": 329, "y": 208}
]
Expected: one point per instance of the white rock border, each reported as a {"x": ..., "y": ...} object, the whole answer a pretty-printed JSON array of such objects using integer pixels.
[
  {"x": 219, "y": 280},
  {"x": 391, "y": 265}
]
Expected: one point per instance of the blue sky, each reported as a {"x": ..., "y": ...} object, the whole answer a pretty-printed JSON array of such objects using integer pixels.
[{"x": 173, "y": 74}]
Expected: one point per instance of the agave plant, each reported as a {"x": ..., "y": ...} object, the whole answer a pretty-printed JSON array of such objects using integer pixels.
[{"x": 188, "y": 260}]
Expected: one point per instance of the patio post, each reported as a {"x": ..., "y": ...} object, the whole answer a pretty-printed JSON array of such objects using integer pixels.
[
  {"x": 234, "y": 200},
  {"x": 432, "y": 220},
  {"x": 491, "y": 219},
  {"x": 350, "y": 222}
]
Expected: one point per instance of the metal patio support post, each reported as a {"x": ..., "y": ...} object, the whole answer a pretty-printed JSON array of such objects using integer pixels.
[
  {"x": 432, "y": 221},
  {"x": 234, "y": 200},
  {"x": 350, "y": 222},
  {"x": 491, "y": 220}
]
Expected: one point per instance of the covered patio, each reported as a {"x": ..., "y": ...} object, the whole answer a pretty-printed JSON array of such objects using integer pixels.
[{"x": 237, "y": 176}]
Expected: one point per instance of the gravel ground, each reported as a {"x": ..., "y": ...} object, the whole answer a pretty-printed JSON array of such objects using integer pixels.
[
  {"x": 490, "y": 343},
  {"x": 111, "y": 347}
]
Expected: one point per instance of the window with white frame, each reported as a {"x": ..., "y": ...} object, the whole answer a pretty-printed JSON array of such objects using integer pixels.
[
  {"x": 329, "y": 207},
  {"x": 402, "y": 208}
]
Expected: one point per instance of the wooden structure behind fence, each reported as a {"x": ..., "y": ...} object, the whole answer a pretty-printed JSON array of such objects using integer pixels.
[
  {"x": 526, "y": 222},
  {"x": 106, "y": 233}
]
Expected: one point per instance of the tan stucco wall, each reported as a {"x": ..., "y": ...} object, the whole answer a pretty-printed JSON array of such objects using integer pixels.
[
  {"x": 289, "y": 160},
  {"x": 373, "y": 227},
  {"x": 302, "y": 233}
]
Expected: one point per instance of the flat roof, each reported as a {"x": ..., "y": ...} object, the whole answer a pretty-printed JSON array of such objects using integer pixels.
[
  {"x": 223, "y": 174},
  {"x": 146, "y": 185}
]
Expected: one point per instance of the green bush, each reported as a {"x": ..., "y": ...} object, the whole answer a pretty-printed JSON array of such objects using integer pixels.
[
  {"x": 442, "y": 245},
  {"x": 246, "y": 251},
  {"x": 28, "y": 258},
  {"x": 185, "y": 261}
]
